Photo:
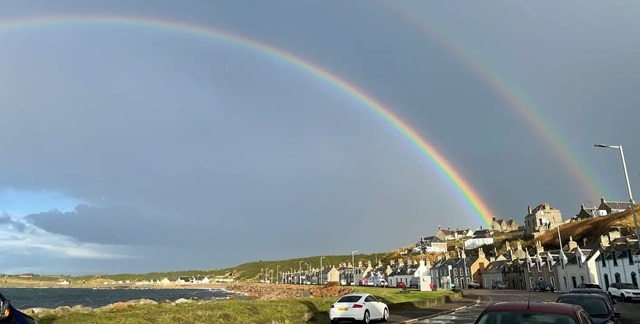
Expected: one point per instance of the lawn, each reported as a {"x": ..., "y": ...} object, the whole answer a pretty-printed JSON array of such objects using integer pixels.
[
  {"x": 395, "y": 295},
  {"x": 298, "y": 310}
]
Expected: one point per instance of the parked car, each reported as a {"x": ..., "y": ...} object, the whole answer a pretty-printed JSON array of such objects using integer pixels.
[
  {"x": 598, "y": 307},
  {"x": 624, "y": 291},
  {"x": 588, "y": 285},
  {"x": 595, "y": 291},
  {"x": 533, "y": 312},
  {"x": 542, "y": 285},
  {"x": 401, "y": 284},
  {"x": 473, "y": 285},
  {"x": 358, "y": 307},
  {"x": 9, "y": 314},
  {"x": 498, "y": 285}
]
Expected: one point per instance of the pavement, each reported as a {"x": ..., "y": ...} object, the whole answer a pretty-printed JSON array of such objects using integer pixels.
[{"x": 415, "y": 315}]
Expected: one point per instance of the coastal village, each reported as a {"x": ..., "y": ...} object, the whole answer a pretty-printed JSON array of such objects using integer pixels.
[
  {"x": 467, "y": 258},
  {"x": 508, "y": 254}
]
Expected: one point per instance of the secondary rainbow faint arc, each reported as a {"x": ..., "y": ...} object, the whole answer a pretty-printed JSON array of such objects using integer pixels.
[
  {"x": 472, "y": 198},
  {"x": 513, "y": 98}
]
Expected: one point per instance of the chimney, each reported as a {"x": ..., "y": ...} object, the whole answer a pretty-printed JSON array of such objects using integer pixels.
[
  {"x": 584, "y": 242},
  {"x": 481, "y": 253},
  {"x": 391, "y": 262},
  {"x": 449, "y": 228},
  {"x": 400, "y": 262},
  {"x": 368, "y": 263},
  {"x": 493, "y": 218},
  {"x": 360, "y": 264},
  {"x": 439, "y": 227},
  {"x": 539, "y": 247},
  {"x": 528, "y": 210},
  {"x": 572, "y": 243},
  {"x": 379, "y": 263},
  {"x": 604, "y": 240}
]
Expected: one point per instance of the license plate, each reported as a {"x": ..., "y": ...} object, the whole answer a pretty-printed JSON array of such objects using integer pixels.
[{"x": 343, "y": 308}]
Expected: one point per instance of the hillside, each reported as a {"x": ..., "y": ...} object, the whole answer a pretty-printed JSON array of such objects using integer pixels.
[
  {"x": 246, "y": 271},
  {"x": 591, "y": 229}
]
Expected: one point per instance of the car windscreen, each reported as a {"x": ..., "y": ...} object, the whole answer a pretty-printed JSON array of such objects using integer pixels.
[
  {"x": 594, "y": 307},
  {"x": 513, "y": 317},
  {"x": 349, "y": 299},
  {"x": 627, "y": 286}
]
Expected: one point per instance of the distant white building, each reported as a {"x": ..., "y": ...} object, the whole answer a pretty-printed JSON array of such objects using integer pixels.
[{"x": 64, "y": 283}]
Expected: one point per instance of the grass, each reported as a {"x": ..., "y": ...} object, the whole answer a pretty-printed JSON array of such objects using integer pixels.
[
  {"x": 298, "y": 310},
  {"x": 226, "y": 311},
  {"x": 394, "y": 295}
]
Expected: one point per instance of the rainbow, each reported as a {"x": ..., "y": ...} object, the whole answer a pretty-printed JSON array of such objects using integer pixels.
[
  {"x": 474, "y": 201},
  {"x": 514, "y": 99}
]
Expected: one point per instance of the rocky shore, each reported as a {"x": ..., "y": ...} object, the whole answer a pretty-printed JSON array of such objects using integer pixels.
[
  {"x": 283, "y": 291},
  {"x": 62, "y": 310}
]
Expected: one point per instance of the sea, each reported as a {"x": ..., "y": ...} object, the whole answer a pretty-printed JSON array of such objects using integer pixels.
[{"x": 22, "y": 298}]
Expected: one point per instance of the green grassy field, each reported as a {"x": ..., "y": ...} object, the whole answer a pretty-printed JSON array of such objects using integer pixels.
[{"x": 299, "y": 310}]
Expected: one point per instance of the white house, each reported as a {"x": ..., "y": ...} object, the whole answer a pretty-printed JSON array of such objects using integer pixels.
[
  {"x": 617, "y": 263},
  {"x": 480, "y": 237},
  {"x": 402, "y": 273},
  {"x": 579, "y": 266}
]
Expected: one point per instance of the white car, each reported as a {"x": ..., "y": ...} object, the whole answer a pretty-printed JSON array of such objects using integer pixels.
[
  {"x": 358, "y": 307},
  {"x": 624, "y": 291}
]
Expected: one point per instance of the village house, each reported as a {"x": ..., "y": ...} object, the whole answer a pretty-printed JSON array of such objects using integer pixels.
[
  {"x": 445, "y": 234},
  {"x": 540, "y": 267},
  {"x": 541, "y": 219},
  {"x": 585, "y": 214},
  {"x": 579, "y": 265},
  {"x": 619, "y": 260},
  {"x": 403, "y": 272},
  {"x": 441, "y": 272},
  {"x": 502, "y": 225},
  {"x": 480, "y": 237},
  {"x": 430, "y": 244},
  {"x": 612, "y": 207},
  {"x": 493, "y": 272}
]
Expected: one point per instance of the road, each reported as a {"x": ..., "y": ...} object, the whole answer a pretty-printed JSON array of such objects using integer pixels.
[{"x": 629, "y": 310}]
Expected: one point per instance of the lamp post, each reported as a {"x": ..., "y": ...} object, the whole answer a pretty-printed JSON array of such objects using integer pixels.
[
  {"x": 277, "y": 274},
  {"x": 353, "y": 267},
  {"x": 300, "y": 272},
  {"x": 320, "y": 281},
  {"x": 626, "y": 176}
]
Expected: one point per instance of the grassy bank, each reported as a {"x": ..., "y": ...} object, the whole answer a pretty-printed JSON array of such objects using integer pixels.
[{"x": 299, "y": 310}]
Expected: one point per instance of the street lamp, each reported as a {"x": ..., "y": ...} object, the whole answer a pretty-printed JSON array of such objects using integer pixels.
[
  {"x": 277, "y": 274},
  {"x": 353, "y": 268},
  {"x": 320, "y": 274},
  {"x": 626, "y": 176},
  {"x": 300, "y": 272}
]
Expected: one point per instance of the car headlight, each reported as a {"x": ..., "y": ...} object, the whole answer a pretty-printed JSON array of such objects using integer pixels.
[{"x": 5, "y": 308}]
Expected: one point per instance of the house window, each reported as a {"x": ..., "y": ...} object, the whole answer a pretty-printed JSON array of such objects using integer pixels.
[
  {"x": 573, "y": 281},
  {"x": 634, "y": 279},
  {"x": 553, "y": 281},
  {"x": 606, "y": 281},
  {"x": 604, "y": 261},
  {"x": 615, "y": 259},
  {"x": 531, "y": 282},
  {"x": 630, "y": 255},
  {"x": 582, "y": 279},
  {"x": 565, "y": 282},
  {"x": 617, "y": 276}
]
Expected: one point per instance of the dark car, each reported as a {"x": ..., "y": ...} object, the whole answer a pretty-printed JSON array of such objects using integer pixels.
[
  {"x": 589, "y": 285},
  {"x": 595, "y": 291},
  {"x": 523, "y": 312},
  {"x": 542, "y": 285},
  {"x": 598, "y": 307},
  {"x": 498, "y": 285},
  {"x": 11, "y": 315}
]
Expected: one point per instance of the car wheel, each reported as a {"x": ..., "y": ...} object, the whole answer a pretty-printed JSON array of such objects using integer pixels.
[
  {"x": 385, "y": 315},
  {"x": 622, "y": 297},
  {"x": 367, "y": 318}
]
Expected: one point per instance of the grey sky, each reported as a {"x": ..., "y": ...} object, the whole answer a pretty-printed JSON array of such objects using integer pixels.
[{"x": 138, "y": 149}]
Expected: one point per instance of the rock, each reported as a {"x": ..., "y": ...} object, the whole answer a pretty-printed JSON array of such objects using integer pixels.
[
  {"x": 39, "y": 311},
  {"x": 63, "y": 310},
  {"x": 183, "y": 300},
  {"x": 81, "y": 309},
  {"x": 143, "y": 301}
]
